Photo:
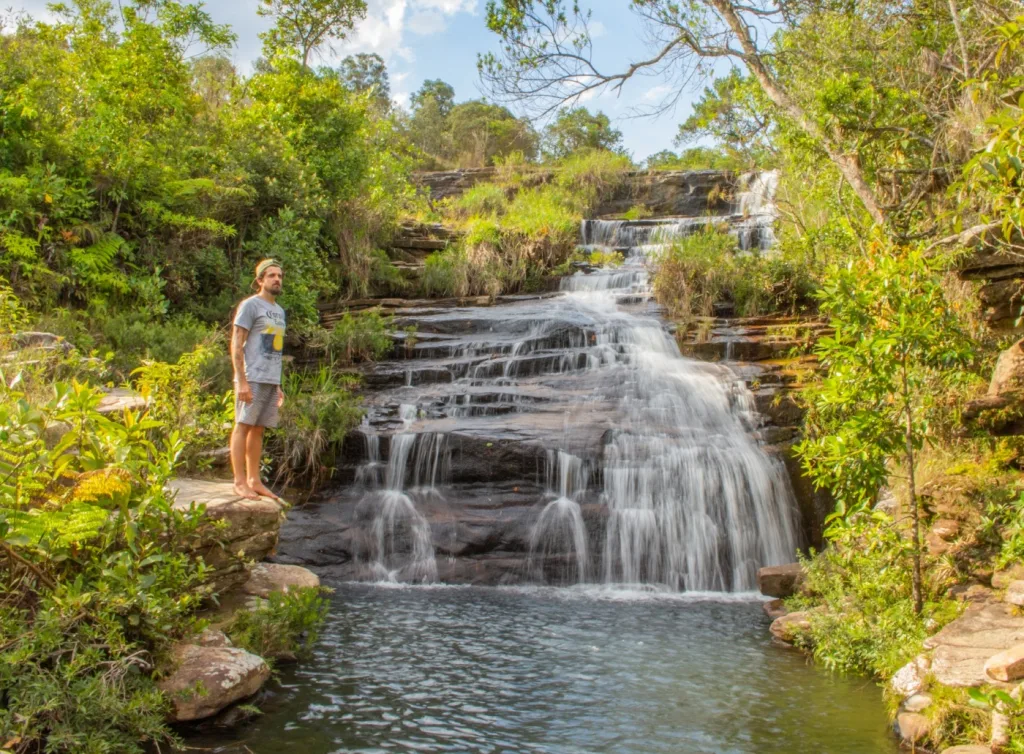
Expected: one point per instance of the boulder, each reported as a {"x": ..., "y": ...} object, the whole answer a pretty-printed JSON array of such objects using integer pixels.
[
  {"x": 968, "y": 749},
  {"x": 912, "y": 726},
  {"x": 1008, "y": 374},
  {"x": 206, "y": 679},
  {"x": 266, "y": 578},
  {"x": 119, "y": 399},
  {"x": 1015, "y": 593},
  {"x": 909, "y": 680},
  {"x": 45, "y": 340},
  {"x": 1007, "y": 665},
  {"x": 238, "y": 530},
  {"x": 774, "y": 609},
  {"x": 788, "y": 627},
  {"x": 1003, "y": 579},
  {"x": 917, "y": 703},
  {"x": 780, "y": 581}
]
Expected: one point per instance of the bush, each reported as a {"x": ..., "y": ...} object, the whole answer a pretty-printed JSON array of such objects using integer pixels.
[
  {"x": 357, "y": 336},
  {"x": 864, "y": 621},
  {"x": 284, "y": 626},
  {"x": 92, "y": 595},
  {"x": 707, "y": 268},
  {"x": 319, "y": 410},
  {"x": 182, "y": 399},
  {"x": 464, "y": 270}
]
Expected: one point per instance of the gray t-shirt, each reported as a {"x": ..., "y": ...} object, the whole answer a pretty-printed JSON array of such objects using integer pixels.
[{"x": 265, "y": 323}]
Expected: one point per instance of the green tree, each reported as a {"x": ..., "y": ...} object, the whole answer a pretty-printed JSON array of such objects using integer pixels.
[
  {"x": 481, "y": 131},
  {"x": 366, "y": 72},
  {"x": 307, "y": 25},
  {"x": 576, "y": 129},
  {"x": 897, "y": 338},
  {"x": 437, "y": 91},
  {"x": 734, "y": 114}
]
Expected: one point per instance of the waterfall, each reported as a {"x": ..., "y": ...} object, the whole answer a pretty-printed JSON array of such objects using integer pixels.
[
  {"x": 401, "y": 546},
  {"x": 651, "y": 470},
  {"x": 693, "y": 502},
  {"x": 558, "y": 541}
]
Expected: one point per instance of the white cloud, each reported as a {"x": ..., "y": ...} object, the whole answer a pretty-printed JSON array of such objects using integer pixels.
[
  {"x": 427, "y": 22},
  {"x": 656, "y": 93},
  {"x": 449, "y": 7},
  {"x": 387, "y": 21},
  {"x": 401, "y": 99},
  {"x": 597, "y": 29}
]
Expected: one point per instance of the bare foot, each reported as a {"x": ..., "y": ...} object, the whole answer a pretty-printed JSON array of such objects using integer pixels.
[
  {"x": 244, "y": 490},
  {"x": 261, "y": 489}
]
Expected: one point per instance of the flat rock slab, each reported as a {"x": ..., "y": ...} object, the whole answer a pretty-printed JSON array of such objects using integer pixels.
[
  {"x": 206, "y": 679},
  {"x": 120, "y": 399},
  {"x": 1015, "y": 593},
  {"x": 969, "y": 749},
  {"x": 962, "y": 648}
]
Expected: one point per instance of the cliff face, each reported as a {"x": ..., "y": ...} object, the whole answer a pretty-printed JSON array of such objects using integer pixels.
[{"x": 666, "y": 193}]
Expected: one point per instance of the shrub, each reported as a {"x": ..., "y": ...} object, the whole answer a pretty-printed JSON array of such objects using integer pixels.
[
  {"x": 706, "y": 268},
  {"x": 864, "y": 621},
  {"x": 357, "y": 336},
  {"x": 464, "y": 270},
  {"x": 182, "y": 399},
  {"x": 319, "y": 410},
  {"x": 284, "y": 626},
  {"x": 92, "y": 595}
]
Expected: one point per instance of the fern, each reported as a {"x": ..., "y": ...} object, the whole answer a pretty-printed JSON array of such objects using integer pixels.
[{"x": 95, "y": 266}]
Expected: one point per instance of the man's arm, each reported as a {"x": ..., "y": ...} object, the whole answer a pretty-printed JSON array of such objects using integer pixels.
[{"x": 238, "y": 337}]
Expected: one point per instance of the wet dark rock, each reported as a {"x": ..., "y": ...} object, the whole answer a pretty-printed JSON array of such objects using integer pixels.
[{"x": 780, "y": 581}]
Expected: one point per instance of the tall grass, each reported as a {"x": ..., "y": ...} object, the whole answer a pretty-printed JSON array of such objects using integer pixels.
[
  {"x": 320, "y": 408},
  {"x": 707, "y": 268}
]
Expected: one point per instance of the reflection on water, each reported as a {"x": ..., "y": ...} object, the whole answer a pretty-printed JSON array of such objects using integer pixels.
[{"x": 560, "y": 671}]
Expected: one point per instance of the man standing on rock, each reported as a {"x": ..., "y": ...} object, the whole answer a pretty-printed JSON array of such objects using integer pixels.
[{"x": 257, "y": 341}]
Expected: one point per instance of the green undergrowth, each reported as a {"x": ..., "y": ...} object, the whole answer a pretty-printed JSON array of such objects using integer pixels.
[
  {"x": 707, "y": 268},
  {"x": 517, "y": 229},
  {"x": 285, "y": 626}
]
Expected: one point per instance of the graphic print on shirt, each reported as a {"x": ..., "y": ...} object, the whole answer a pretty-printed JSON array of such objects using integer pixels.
[{"x": 272, "y": 340}]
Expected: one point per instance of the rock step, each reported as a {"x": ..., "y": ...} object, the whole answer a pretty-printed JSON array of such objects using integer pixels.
[{"x": 249, "y": 530}]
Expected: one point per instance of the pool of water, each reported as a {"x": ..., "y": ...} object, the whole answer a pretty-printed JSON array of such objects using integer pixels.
[{"x": 559, "y": 671}]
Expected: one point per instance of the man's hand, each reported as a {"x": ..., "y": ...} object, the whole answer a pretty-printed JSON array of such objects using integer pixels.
[
  {"x": 280, "y": 396},
  {"x": 243, "y": 392}
]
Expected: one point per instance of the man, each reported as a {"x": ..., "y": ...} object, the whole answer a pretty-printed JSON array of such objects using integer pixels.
[{"x": 257, "y": 340}]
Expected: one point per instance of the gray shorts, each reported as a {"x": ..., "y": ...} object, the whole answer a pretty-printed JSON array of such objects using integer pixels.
[{"x": 261, "y": 411}]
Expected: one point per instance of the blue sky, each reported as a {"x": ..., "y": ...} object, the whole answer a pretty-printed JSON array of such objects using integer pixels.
[{"x": 430, "y": 39}]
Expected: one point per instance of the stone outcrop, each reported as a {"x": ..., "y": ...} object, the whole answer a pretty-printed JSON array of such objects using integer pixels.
[
  {"x": 961, "y": 649},
  {"x": 780, "y": 581},
  {"x": 666, "y": 193},
  {"x": 789, "y": 627},
  {"x": 239, "y": 531},
  {"x": 267, "y": 578},
  {"x": 206, "y": 678},
  {"x": 968, "y": 749}
]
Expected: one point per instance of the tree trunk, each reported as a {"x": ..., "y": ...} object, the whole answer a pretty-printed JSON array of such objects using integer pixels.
[{"x": 908, "y": 436}]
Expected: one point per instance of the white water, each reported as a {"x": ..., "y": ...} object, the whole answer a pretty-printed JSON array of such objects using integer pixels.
[{"x": 687, "y": 499}]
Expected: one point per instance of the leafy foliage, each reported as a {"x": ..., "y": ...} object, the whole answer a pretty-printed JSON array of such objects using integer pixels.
[{"x": 284, "y": 626}]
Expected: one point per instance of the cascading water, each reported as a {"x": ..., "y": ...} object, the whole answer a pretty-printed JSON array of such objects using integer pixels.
[
  {"x": 559, "y": 538},
  {"x": 653, "y": 475},
  {"x": 401, "y": 547}
]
